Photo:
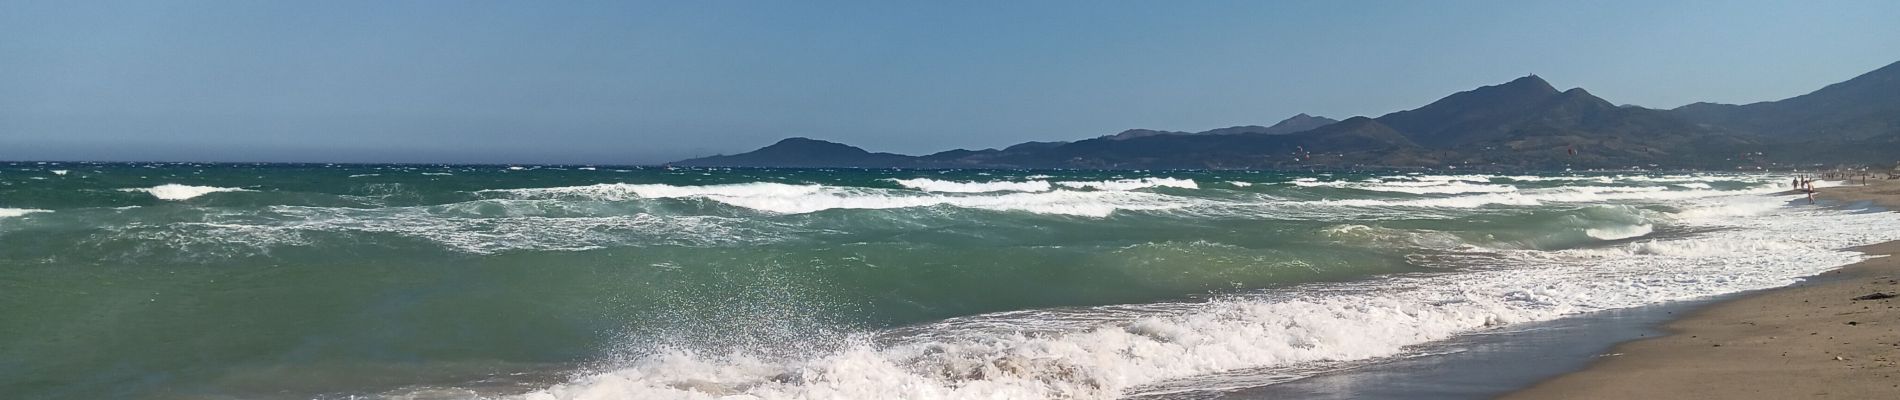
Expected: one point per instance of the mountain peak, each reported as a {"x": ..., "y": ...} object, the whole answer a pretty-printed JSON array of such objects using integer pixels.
[
  {"x": 805, "y": 144},
  {"x": 1139, "y": 133},
  {"x": 1298, "y": 123},
  {"x": 1437, "y": 123},
  {"x": 803, "y": 152},
  {"x": 1532, "y": 83},
  {"x": 1864, "y": 106}
]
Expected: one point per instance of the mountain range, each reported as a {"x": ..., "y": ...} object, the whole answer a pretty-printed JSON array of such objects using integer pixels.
[{"x": 1523, "y": 123}]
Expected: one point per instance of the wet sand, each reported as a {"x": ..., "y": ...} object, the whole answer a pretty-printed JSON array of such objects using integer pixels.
[{"x": 1809, "y": 340}]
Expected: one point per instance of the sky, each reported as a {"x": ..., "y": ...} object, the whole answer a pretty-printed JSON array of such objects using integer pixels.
[{"x": 628, "y": 82}]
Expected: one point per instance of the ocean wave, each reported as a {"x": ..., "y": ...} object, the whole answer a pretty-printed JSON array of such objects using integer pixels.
[
  {"x": 455, "y": 227},
  {"x": 15, "y": 212},
  {"x": 1533, "y": 197},
  {"x": 1414, "y": 187},
  {"x": 1738, "y": 207},
  {"x": 933, "y": 185},
  {"x": 173, "y": 191},
  {"x": 1132, "y": 184},
  {"x": 1388, "y": 237},
  {"x": 1117, "y": 350},
  {"x": 800, "y": 199},
  {"x": 1619, "y": 232}
]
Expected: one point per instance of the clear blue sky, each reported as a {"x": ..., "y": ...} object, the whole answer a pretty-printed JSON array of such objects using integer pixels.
[{"x": 621, "y": 82}]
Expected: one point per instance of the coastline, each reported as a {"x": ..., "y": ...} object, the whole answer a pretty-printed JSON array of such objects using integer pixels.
[{"x": 1811, "y": 339}]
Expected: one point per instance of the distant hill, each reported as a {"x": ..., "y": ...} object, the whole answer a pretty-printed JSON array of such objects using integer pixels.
[
  {"x": 1295, "y": 124},
  {"x": 1469, "y": 116},
  {"x": 801, "y": 152},
  {"x": 1859, "y": 108},
  {"x": 1523, "y": 123},
  {"x": 1855, "y": 120}
]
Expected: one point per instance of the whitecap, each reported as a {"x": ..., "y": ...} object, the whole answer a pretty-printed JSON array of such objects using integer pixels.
[
  {"x": 800, "y": 199},
  {"x": 173, "y": 191},
  {"x": 1132, "y": 184},
  {"x": 1619, "y": 232},
  {"x": 15, "y": 212},
  {"x": 933, "y": 185}
]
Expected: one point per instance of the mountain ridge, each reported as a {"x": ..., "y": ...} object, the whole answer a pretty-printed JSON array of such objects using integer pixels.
[{"x": 1522, "y": 123}]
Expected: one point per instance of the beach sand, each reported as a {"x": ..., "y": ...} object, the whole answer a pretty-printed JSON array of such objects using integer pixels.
[{"x": 1809, "y": 340}]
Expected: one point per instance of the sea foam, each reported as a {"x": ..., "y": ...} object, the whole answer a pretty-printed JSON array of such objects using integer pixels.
[
  {"x": 933, "y": 185},
  {"x": 173, "y": 191},
  {"x": 1132, "y": 184},
  {"x": 1619, "y": 232},
  {"x": 800, "y": 199},
  {"x": 15, "y": 212},
  {"x": 1564, "y": 194},
  {"x": 1415, "y": 187}
]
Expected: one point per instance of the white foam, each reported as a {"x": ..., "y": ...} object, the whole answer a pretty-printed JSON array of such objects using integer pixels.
[
  {"x": 1415, "y": 187},
  {"x": 1240, "y": 184},
  {"x": 60, "y": 172},
  {"x": 1561, "y": 194},
  {"x": 478, "y": 227},
  {"x": 173, "y": 191},
  {"x": 1132, "y": 184},
  {"x": 1389, "y": 237},
  {"x": 15, "y": 212},
  {"x": 933, "y": 185},
  {"x": 1736, "y": 207},
  {"x": 800, "y": 199},
  {"x": 1619, "y": 232},
  {"x": 1118, "y": 350}
]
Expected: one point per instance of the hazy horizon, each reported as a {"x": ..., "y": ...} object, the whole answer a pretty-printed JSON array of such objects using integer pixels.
[{"x": 622, "y": 83}]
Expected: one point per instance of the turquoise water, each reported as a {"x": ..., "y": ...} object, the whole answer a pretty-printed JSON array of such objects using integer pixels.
[{"x": 300, "y": 281}]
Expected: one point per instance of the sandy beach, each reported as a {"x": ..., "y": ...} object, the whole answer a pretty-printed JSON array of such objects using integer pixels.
[{"x": 1823, "y": 338}]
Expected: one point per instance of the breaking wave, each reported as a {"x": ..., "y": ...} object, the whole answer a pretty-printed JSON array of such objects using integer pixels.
[
  {"x": 1619, "y": 232},
  {"x": 448, "y": 226},
  {"x": 1132, "y": 184},
  {"x": 1414, "y": 187},
  {"x": 1532, "y": 197},
  {"x": 173, "y": 191},
  {"x": 933, "y": 185},
  {"x": 800, "y": 199},
  {"x": 15, "y": 212}
]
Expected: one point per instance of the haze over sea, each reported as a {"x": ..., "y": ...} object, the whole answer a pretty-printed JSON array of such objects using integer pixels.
[{"x": 571, "y": 282}]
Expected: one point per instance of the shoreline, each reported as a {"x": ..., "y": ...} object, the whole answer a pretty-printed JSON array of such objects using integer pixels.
[
  {"x": 1482, "y": 365},
  {"x": 1810, "y": 339}
]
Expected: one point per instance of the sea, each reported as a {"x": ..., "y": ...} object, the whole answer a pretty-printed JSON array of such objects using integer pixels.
[{"x": 318, "y": 281}]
